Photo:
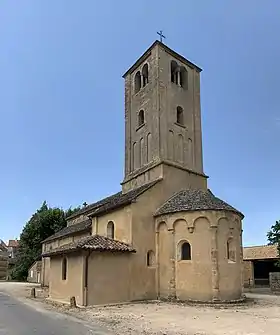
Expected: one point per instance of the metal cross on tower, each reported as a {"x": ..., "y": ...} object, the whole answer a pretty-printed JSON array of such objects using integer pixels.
[{"x": 161, "y": 36}]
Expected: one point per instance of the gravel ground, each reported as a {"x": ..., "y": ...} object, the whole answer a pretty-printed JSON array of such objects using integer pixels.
[{"x": 260, "y": 315}]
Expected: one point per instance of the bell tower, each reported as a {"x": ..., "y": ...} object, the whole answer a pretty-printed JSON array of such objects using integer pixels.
[{"x": 162, "y": 118}]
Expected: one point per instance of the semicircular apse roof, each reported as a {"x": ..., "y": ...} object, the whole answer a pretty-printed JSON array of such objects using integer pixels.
[{"x": 194, "y": 200}]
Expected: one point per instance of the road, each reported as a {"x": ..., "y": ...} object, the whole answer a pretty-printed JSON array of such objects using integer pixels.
[{"x": 18, "y": 317}]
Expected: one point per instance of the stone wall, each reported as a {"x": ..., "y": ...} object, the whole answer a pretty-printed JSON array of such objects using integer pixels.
[
  {"x": 248, "y": 273},
  {"x": 274, "y": 281},
  {"x": 3, "y": 267}
]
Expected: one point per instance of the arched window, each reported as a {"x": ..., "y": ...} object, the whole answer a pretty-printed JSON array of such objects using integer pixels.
[
  {"x": 141, "y": 117},
  {"x": 150, "y": 258},
  {"x": 183, "y": 78},
  {"x": 186, "y": 251},
  {"x": 174, "y": 69},
  {"x": 180, "y": 115},
  {"x": 110, "y": 230},
  {"x": 145, "y": 75},
  {"x": 137, "y": 82},
  {"x": 64, "y": 268}
]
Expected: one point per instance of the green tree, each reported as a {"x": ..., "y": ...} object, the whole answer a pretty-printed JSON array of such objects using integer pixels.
[
  {"x": 44, "y": 223},
  {"x": 273, "y": 236}
]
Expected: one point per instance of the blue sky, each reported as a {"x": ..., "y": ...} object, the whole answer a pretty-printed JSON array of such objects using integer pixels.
[{"x": 62, "y": 99}]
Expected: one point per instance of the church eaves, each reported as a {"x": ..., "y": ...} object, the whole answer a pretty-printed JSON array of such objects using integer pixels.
[
  {"x": 92, "y": 243},
  {"x": 194, "y": 200}
]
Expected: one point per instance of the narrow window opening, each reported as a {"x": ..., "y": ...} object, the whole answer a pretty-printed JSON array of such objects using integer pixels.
[
  {"x": 228, "y": 250},
  {"x": 231, "y": 254},
  {"x": 174, "y": 67},
  {"x": 180, "y": 115},
  {"x": 110, "y": 230},
  {"x": 64, "y": 268},
  {"x": 186, "y": 251},
  {"x": 145, "y": 75},
  {"x": 141, "y": 117},
  {"x": 137, "y": 82},
  {"x": 150, "y": 258}
]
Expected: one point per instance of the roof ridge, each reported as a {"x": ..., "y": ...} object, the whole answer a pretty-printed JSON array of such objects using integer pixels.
[
  {"x": 91, "y": 206},
  {"x": 262, "y": 246},
  {"x": 119, "y": 198},
  {"x": 69, "y": 230}
]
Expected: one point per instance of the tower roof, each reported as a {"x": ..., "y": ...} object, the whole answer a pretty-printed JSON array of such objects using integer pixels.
[
  {"x": 194, "y": 200},
  {"x": 168, "y": 50}
]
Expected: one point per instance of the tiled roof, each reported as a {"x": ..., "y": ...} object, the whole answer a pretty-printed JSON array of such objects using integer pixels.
[
  {"x": 3, "y": 246},
  {"x": 194, "y": 200},
  {"x": 93, "y": 242},
  {"x": 260, "y": 252},
  {"x": 114, "y": 201},
  {"x": 13, "y": 243},
  {"x": 70, "y": 230}
]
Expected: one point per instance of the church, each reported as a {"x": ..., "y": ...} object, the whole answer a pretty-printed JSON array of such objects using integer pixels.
[{"x": 165, "y": 235}]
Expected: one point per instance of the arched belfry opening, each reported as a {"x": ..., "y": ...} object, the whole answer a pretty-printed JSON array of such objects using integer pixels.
[
  {"x": 183, "y": 78},
  {"x": 174, "y": 71},
  {"x": 137, "y": 82},
  {"x": 145, "y": 75}
]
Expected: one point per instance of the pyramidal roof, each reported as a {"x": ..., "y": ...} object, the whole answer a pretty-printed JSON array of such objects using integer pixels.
[{"x": 194, "y": 200}]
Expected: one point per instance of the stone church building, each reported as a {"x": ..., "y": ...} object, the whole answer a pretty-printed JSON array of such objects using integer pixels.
[{"x": 165, "y": 234}]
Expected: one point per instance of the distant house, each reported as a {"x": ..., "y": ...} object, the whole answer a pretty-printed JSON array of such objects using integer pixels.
[
  {"x": 3, "y": 260},
  {"x": 258, "y": 262},
  {"x": 13, "y": 248},
  {"x": 3, "y": 267},
  {"x": 34, "y": 272},
  {"x": 3, "y": 248}
]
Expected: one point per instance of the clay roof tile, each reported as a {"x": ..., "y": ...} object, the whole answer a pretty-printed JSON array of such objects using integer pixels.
[
  {"x": 94, "y": 243},
  {"x": 194, "y": 200}
]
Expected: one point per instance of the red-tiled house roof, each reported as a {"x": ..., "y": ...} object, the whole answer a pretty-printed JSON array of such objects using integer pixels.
[
  {"x": 13, "y": 244},
  {"x": 260, "y": 252},
  {"x": 94, "y": 243}
]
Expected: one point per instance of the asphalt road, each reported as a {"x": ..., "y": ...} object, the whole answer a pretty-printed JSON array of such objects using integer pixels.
[{"x": 20, "y": 318}]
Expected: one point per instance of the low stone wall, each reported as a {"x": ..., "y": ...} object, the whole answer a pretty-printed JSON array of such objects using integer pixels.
[{"x": 274, "y": 281}]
